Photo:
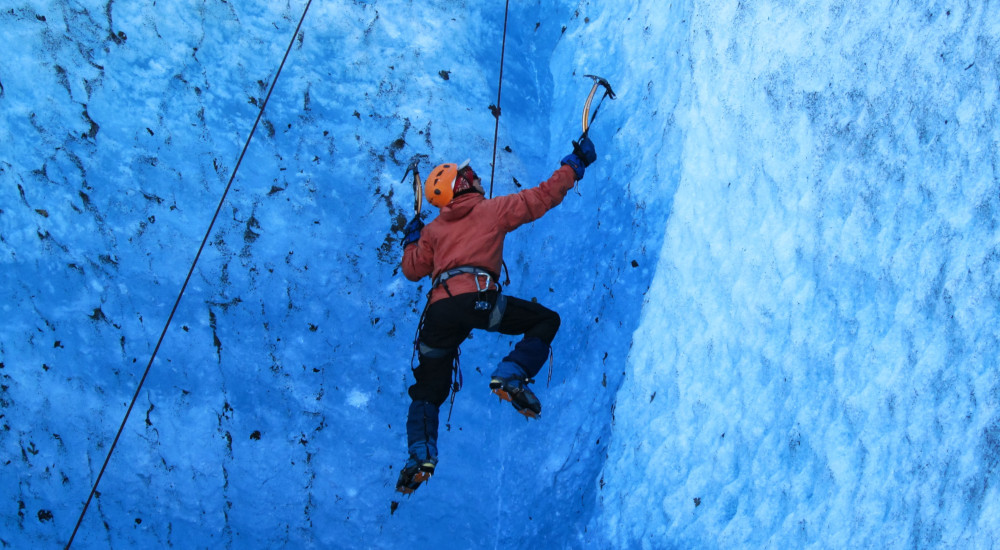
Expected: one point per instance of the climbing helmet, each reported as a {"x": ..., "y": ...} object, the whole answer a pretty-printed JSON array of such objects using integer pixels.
[{"x": 448, "y": 181}]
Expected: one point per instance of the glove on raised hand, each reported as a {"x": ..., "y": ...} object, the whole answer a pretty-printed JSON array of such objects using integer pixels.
[
  {"x": 583, "y": 155},
  {"x": 411, "y": 232}
]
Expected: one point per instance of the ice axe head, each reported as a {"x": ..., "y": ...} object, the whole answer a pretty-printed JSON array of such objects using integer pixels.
[
  {"x": 599, "y": 81},
  {"x": 608, "y": 92}
]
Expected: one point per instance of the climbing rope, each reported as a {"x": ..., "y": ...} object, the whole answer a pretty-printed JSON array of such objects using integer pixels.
[
  {"x": 180, "y": 295},
  {"x": 496, "y": 108}
]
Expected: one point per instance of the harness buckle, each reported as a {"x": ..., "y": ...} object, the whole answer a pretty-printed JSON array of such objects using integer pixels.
[{"x": 482, "y": 304}]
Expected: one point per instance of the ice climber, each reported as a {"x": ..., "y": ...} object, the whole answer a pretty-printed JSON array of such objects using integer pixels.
[{"x": 462, "y": 251}]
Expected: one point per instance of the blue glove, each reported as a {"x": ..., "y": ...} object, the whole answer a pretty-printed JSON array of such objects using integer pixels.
[
  {"x": 583, "y": 155},
  {"x": 584, "y": 150},
  {"x": 411, "y": 231}
]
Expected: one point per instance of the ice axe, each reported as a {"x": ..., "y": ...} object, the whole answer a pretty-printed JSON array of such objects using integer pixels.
[
  {"x": 588, "y": 118},
  {"x": 418, "y": 195}
]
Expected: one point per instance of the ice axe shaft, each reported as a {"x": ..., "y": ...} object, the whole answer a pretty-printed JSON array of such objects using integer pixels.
[
  {"x": 588, "y": 118},
  {"x": 608, "y": 92},
  {"x": 418, "y": 196}
]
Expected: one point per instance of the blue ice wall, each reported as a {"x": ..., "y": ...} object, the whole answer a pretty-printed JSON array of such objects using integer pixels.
[
  {"x": 777, "y": 284},
  {"x": 273, "y": 413},
  {"x": 817, "y": 360}
]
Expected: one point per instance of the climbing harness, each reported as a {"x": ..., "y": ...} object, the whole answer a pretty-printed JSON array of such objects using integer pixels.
[
  {"x": 443, "y": 277},
  {"x": 180, "y": 295},
  {"x": 496, "y": 309},
  {"x": 499, "y": 305}
]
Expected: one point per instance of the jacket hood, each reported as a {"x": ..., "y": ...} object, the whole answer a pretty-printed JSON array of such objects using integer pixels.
[{"x": 461, "y": 206}]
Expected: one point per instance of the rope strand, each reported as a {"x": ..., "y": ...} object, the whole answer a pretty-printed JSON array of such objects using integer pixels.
[
  {"x": 180, "y": 295},
  {"x": 496, "y": 112}
]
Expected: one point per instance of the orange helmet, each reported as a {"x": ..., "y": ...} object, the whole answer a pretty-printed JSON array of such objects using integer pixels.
[{"x": 440, "y": 185}]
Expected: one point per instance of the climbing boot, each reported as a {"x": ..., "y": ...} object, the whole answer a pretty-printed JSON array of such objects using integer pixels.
[
  {"x": 517, "y": 392},
  {"x": 413, "y": 474}
]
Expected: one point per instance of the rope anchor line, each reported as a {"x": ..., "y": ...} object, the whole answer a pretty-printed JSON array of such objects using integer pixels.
[
  {"x": 180, "y": 295},
  {"x": 495, "y": 109}
]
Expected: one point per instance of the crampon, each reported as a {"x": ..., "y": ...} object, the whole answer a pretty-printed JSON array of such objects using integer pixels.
[
  {"x": 412, "y": 476},
  {"x": 517, "y": 393}
]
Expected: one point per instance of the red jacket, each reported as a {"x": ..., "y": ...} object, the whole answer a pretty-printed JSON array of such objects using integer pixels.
[{"x": 470, "y": 232}]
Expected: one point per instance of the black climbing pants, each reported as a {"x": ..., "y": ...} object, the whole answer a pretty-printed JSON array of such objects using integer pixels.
[{"x": 448, "y": 322}]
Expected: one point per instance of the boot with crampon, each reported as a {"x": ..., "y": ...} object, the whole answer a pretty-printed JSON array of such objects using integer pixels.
[
  {"x": 517, "y": 392},
  {"x": 413, "y": 474}
]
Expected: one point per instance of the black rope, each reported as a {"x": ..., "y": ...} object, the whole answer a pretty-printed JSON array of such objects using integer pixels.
[
  {"x": 201, "y": 248},
  {"x": 496, "y": 109}
]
